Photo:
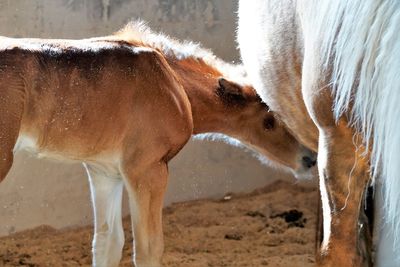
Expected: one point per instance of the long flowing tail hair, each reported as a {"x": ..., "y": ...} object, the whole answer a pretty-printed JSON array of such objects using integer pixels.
[{"x": 361, "y": 45}]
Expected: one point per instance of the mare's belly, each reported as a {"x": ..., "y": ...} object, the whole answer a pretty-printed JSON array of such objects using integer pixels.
[{"x": 271, "y": 44}]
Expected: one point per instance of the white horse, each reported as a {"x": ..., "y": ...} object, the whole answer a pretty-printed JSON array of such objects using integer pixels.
[{"x": 330, "y": 70}]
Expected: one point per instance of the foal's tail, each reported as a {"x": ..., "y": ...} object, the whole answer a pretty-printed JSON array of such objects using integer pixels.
[{"x": 361, "y": 42}]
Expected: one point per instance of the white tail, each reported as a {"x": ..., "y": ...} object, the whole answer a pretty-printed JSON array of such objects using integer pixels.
[{"x": 361, "y": 42}]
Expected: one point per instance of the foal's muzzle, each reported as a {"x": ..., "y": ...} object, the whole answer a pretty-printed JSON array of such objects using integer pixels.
[{"x": 309, "y": 161}]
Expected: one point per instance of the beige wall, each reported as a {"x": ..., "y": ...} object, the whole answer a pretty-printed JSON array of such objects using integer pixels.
[{"x": 43, "y": 192}]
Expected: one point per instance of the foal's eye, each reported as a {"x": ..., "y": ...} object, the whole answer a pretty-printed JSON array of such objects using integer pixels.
[{"x": 269, "y": 123}]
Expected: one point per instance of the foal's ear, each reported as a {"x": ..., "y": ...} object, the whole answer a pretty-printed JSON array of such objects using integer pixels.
[{"x": 231, "y": 93}]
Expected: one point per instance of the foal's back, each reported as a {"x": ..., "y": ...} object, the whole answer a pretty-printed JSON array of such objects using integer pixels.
[{"x": 87, "y": 99}]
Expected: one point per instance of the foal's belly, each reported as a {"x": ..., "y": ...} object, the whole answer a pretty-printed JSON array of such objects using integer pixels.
[{"x": 108, "y": 160}]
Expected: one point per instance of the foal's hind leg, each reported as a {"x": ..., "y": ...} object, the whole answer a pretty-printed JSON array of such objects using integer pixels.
[
  {"x": 108, "y": 238},
  {"x": 11, "y": 109}
]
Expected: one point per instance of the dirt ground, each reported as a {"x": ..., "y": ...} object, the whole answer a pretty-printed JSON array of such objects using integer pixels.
[{"x": 273, "y": 226}]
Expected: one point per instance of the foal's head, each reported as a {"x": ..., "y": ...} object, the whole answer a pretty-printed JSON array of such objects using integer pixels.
[
  {"x": 252, "y": 123},
  {"x": 221, "y": 105}
]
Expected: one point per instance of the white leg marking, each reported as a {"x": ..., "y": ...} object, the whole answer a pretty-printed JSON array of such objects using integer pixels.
[{"x": 108, "y": 238}]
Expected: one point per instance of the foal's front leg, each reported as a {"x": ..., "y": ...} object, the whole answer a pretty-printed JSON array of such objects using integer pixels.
[
  {"x": 146, "y": 184},
  {"x": 108, "y": 238}
]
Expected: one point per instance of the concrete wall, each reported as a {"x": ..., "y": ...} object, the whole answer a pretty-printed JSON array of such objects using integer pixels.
[{"x": 44, "y": 192}]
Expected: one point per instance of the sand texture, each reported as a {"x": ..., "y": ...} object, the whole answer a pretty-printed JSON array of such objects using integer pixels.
[{"x": 273, "y": 226}]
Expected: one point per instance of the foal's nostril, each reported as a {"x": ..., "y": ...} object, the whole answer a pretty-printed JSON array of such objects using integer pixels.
[{"x": 309, "y": 162}]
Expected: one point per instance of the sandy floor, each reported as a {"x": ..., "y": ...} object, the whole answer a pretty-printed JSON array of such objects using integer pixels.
[{"x": 274, "y": 226}]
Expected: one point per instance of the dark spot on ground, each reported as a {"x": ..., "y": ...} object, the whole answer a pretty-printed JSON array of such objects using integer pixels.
[
  {"x": 294, "y": 218},
  {"x": 255, "y": 214},
  {"x": 233, "y": 237}
]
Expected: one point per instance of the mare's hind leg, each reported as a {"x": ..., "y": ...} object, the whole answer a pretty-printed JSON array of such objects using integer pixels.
[
  {"x": 343, "y": 178},
  {"x": 365, "y": 224},
  {"x": 343, "y": 172},
  {"x": 11, "y": 109},
  {"x": 108, "y": 240}
]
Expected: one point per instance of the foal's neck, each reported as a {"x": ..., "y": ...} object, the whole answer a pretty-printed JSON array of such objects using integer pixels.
[{"x": 200, "y": 82}]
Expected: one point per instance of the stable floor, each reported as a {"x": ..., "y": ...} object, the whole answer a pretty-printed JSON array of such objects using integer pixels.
[{"x": 274, "y": 226}]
